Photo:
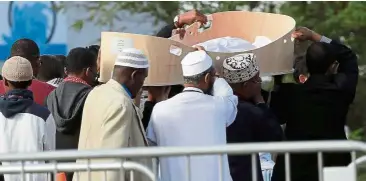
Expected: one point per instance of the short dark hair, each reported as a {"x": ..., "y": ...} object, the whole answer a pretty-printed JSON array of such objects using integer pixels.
[
  {"x": 79, "y": 59},
  {"x": 94, "y": 49},
  {"x": 61, "y": 58},
  {"x": 51, "y": 68},
  {"x": 20, "y": 85},
  {"x": 195, "y": 79},
  {"x": 319, "y": 57},
  {"x": 25, "y": 48}
]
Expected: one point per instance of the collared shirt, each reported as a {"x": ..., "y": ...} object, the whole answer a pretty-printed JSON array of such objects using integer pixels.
[
  {"x": 55, "y": 82},
  {"x": 194, "y": 119},
  {"x": 192, "y": 89}
]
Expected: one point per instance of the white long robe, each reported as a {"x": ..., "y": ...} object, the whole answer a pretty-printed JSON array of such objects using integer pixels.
[{"x": 192, "y": 118}]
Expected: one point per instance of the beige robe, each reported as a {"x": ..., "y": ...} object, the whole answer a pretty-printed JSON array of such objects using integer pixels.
[{"x": 111, "y": 120}]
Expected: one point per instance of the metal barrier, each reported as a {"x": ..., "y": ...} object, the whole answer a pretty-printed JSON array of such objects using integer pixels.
[
  {"x": 155, "y": 152},
  {"x": 54, "y": 168}
]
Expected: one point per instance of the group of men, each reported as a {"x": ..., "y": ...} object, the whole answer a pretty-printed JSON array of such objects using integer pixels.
[{"x": 72, "y": 110}]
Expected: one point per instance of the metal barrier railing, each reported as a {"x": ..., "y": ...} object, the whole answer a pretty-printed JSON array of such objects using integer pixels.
[
  {"x": 155, "y": 152},
  {"x": 77, "y": 167}
]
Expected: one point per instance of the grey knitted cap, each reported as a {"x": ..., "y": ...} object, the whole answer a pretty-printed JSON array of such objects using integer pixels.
[{"x": 17, "y": 69}]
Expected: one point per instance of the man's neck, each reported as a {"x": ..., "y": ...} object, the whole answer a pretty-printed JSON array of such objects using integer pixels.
[
  {"x": 80, "y": 76},
  {"x": 74, "y": 75},
  {"x": 10, "y": 89},
  {"x": 192, "y": 86},
  {"x": 120, "y": 80},
  {"x": 240, "y": 97}
]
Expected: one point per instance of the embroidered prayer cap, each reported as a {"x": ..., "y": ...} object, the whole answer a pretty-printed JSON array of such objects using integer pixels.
[
  {"x": 195, "y": 63},
  {"x": 17, "y": 69},
  {"x": 240, "y": 68},
  {"x": 132, "y": 57}
]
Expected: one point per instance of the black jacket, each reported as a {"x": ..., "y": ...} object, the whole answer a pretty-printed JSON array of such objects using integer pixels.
[
  {"x": 18, "y": 101},
  {"x": 253, "y": 123},
  {"x": 148, "y": 108},
  {"x": 66, "y": 104},
  {"x": 316, "y": 110}
]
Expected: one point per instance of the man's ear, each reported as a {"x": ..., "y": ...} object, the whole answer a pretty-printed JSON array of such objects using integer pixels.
[
  {"x": 302, "y": 78},
  {"x": 243, "y": 85},
  {"x": 38, "y": 62},
  {"x": 6, "y": 83},
  {"x": 133, "y": 75},
  {"x": 87, "y": 71},
  {"x": 29, "y": 83},
  {"x": 333, "y": 69},
  {"x": 208, "y": 78}
]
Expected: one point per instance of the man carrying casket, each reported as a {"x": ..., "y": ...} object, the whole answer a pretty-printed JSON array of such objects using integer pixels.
[
  {"x": 317, "y": 109},
  {"x": 254, "y": 122}
]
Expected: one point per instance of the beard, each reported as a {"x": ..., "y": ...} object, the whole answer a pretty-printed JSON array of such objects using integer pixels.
[{"x": 209, "y": 89}]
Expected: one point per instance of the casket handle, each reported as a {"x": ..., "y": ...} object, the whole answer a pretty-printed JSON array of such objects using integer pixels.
[{"x": 175, "y": 50}]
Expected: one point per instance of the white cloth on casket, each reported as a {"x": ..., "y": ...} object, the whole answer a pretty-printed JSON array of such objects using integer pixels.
[
  {"x": 193, "y": 118},
  {"x": 231, "y": 44}
]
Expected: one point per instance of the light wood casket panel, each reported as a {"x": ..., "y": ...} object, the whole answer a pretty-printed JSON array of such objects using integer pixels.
[
  {"x": 165, "y": 67},
  {"x": 274, "y": 58}
]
